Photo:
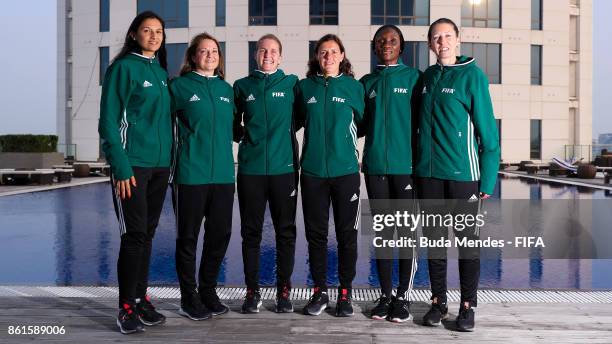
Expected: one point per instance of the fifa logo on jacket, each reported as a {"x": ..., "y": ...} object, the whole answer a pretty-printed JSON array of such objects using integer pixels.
[
  {"x": 338, "y": 100},
  {"x": 448, "y": 90},
  {"x": 224, "y": 99},
  {"x": 400, "y": 90},
  {"x": 278, "y": 94}
]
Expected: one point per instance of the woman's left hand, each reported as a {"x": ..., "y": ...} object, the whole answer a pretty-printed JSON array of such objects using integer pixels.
[{"x": 484, "y": 195}]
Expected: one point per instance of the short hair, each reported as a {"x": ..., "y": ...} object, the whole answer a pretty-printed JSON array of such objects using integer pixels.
[
  {"x": 272, "y": 37},
  {"x": 389, "y": 27},
  {"x": 441, "y": 21}
]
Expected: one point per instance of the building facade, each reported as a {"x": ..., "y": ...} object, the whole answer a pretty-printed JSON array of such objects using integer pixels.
[{"x": 536, "y": 53}]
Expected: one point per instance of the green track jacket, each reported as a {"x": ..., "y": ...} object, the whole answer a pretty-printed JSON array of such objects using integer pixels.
[
  {"x": 330, "y": 109},
  {"x": 267, "y": 140},
  {"x": 204, "y": 109},
  {"x": 457, "y": 135},
  {"x": 135, "y": 125},
  {"x": 392, "y": 98}
]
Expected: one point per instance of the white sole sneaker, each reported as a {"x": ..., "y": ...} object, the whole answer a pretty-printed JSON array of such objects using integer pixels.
[
  {"x": 187, "y": 315},
  {"x": 318, "y": 312}
]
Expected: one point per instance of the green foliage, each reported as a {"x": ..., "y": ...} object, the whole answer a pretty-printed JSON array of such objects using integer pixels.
[{"x": 28, "y": 143}]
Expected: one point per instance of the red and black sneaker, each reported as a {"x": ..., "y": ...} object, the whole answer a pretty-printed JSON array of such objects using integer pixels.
[
  {"x": 344, "y": 307},
  {"x": 283, "y": 303},
  {"x": 127, "y": 320},
  {"x": 252, "y": 301},
  {"x": 147, "y": 313},
  {"x": 317, "y": 302}
]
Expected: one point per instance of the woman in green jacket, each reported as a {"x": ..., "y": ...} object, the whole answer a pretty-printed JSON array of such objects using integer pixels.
[
  {"x": 329, "y": 105},
  {"x": 267, "y": 168},
  {"x": 204, "y": 178},
  {"x": 136, "y": 132},
  {"x": 457, "y": 158},
  {"x": 392, "y": 97}
]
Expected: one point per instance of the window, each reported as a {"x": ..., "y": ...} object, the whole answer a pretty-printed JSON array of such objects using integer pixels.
[
  {"x": 535, "y": 144},
  {"x": 536, "y": 65},
  {"x": 573, "y": 80},
  {"x": 415, "y": 55},
  {"x": 262, "y": 12},
  {"x": 103, "y": 62},
  {"x": 174, "y": 12},
  {"x": 323, "y": 12},
  {"x": 400, "y": 12},
  {"x": 481, "y": 13},
  {"x": 536, "y": 14},
  {"x": 252, "y": 62},
  {"x": 488, "y": 58},
  {"x": 104, "y": 15},
  {"x": 311, "y": 47},
  {"x": 175, "y": 54},
  {"x": 222, "y": 47},
  {"x": 220, "y": 12}
]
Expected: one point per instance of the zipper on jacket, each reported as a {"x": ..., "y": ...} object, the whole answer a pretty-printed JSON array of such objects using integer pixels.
[
  {"x": 325, "y": 128},
  {"x": 265, "y": 105},
  {"x": 386, "y": 105},
  {"x": 161, "y": 95},
  {"x": 432, "y": 121},
  {"x": 212, "y": 129}
]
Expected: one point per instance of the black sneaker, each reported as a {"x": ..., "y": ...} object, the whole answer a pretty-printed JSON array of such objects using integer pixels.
[
  {"x": 344, "y": 307},
  {"x": 147, "y": 313},
  {"x": 435, "y": 315},
  {"x": 212, "y": 302},
  {"x": 127, "y": 320},
  {"x": 465, "y": 319},
  {"x": 400, "y": 310},
  {"x": 283, "y": 304},
  {"x": 252, "y": 301},
  {"x": 317, "y": 302},
  {"x": 382, "y": 309},
  {"x": 192, "y": 308}
]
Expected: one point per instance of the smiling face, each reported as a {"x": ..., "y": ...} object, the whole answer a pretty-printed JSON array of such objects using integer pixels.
[
  {"x": 149, "y": 36},
  {"x": 387, "y": 47},
  {"x": 330, "y": 56},
  {"x": 206, "y": 57},
  {"x": 268, "y": 55},
  {"x": 444, "y": 42}
]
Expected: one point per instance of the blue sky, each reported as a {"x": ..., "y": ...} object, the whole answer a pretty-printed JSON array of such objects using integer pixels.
[{"x": 28, "y": 32}]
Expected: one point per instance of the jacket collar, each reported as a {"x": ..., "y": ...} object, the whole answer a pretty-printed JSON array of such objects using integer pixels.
[
  {"x": 142, "y": 58},
  {"x": 462, "y": 61},
  {"x": 259, "y": 74}
]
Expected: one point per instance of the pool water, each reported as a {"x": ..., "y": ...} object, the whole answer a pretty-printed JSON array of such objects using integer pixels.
[{"x": 70, "y": 236}]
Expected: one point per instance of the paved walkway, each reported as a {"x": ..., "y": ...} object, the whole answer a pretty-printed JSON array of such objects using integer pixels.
[{"x": 87, "y": 320}]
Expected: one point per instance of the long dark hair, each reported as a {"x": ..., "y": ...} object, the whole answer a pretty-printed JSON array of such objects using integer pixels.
[
  {"x": 313, "y": 64},
  {"x": 189, "y": 65},
  {"x": 130, "y": 45}
]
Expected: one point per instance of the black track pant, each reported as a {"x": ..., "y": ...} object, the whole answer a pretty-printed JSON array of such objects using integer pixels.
[
  {"x": 138, "y": 217},
  {"x": 193, "y": 203},
  {"x": 469, "y": 269},
  {"x": 343, "y": 194},
  {"x": 280, "y": 192},
  {"x": 386, "y": 187}
]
